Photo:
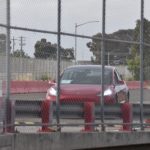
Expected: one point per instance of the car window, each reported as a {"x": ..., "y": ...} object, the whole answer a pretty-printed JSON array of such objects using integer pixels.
[
  {"x": 118, "y": 75},
  {"x": 115, "y": 78},
  {"x": 86, "y": 76}
]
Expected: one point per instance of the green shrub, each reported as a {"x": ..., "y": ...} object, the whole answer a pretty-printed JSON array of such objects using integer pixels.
[{"x": 45, "y": 77}]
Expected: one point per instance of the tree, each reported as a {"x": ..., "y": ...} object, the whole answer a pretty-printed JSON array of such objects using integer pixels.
[
  {"x": 134, "y": 59},
  {"x": 121, "y": 50},
  {"x": 19, "y": 53},
  {"x": 45, "y": 50},
  {"x": 134, "y": 64},
  {"x": 67, "y": 53},
  {"x": 95, "y": 47}
]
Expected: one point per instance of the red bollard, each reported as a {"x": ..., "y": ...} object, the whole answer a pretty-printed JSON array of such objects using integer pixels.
[
  {"x": 89, "y": 115},
  {"x": 127, "y": 117},
  {"x": 9, "y": 121},
  {"x": 46, "y": 114}
]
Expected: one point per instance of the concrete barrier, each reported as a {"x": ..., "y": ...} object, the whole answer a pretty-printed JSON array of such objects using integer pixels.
[
  {"x": 68, "y": 141},
  {"x": 91, "y": 140},
  {"x": 18, "y": 87},
  {"x": 7, "y": 142},
  {"x": 136, "y": 84}
]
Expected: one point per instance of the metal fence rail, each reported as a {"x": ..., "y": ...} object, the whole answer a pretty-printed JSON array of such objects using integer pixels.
[
  {"x": 75, "y": 110},
  {"x": 28, "y": 109}
]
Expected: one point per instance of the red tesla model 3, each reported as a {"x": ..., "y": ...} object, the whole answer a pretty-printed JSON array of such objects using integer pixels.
[{"x": 82, "y": 83}]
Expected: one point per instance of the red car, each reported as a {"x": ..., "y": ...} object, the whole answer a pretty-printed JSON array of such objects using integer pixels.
[{"x": 83, "y": 83}]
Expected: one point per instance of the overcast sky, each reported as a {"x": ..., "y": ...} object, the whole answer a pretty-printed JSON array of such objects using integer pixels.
[{"x": 42, "y": 14}]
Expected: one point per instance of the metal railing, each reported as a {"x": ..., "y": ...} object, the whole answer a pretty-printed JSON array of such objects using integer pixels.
[{"x": 25, "y": 109}]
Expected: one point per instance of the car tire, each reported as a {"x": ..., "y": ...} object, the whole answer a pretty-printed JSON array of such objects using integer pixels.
[
  {"x": 128, "y": 97},
  {"x": 116, "y": 99}
]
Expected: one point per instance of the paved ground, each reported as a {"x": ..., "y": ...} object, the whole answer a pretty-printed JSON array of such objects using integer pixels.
[
  {"x": 29, "y": 96},
  {"x": 135, "y": 95}
]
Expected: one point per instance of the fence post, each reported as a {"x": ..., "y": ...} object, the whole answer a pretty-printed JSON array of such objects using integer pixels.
[
  {"x": 10, "y": 118},
  {"x": 127, "y": 116}
]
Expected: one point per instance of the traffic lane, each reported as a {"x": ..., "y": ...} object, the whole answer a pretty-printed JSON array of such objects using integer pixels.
[
  {"x": 68, "y": 125},
  {"x": 134, "y": 96},
  {"x": 28, "y": 96}
]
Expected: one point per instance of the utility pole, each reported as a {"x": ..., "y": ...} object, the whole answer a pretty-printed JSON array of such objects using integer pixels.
[
  {"x": 13, "y": 44},
  {"x": 22, "y": 39}
]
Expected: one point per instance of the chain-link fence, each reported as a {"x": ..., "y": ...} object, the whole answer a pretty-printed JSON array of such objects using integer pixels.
[{"x": 40, "y": 39}]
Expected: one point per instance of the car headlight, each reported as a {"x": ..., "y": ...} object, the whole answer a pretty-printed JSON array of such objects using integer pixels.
[
  {"x": 52, "y": 91},
  {"x": 106, "y": 92}
]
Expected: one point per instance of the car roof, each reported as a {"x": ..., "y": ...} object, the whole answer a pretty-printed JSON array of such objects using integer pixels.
[{"x": 90, "y": 66}]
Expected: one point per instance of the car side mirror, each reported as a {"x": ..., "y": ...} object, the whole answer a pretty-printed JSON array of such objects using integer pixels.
[
  {"x": 52, "y": 82},
  {"x": 121, "y": 82}
]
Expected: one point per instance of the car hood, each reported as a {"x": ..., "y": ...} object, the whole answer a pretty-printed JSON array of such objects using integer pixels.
[{"x": 71, "y": 89}]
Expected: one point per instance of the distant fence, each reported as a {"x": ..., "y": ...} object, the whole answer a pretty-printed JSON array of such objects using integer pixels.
[
  {"x": 41, "y": 69},
  {"x": 31, "y": 68}
]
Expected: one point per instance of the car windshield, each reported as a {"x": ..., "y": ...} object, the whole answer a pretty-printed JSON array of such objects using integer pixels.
[{"x": 86, "y": 76}]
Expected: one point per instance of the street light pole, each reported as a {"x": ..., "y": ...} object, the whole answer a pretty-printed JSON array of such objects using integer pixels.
[
  {"x": 76, "y": 26},
  {"x": 75, "y": 47}
]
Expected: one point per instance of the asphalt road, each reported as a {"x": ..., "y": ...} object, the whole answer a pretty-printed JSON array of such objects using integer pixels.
[
  {"x": 29, "y": 96},
  {"x": 134, "y": 96}
]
